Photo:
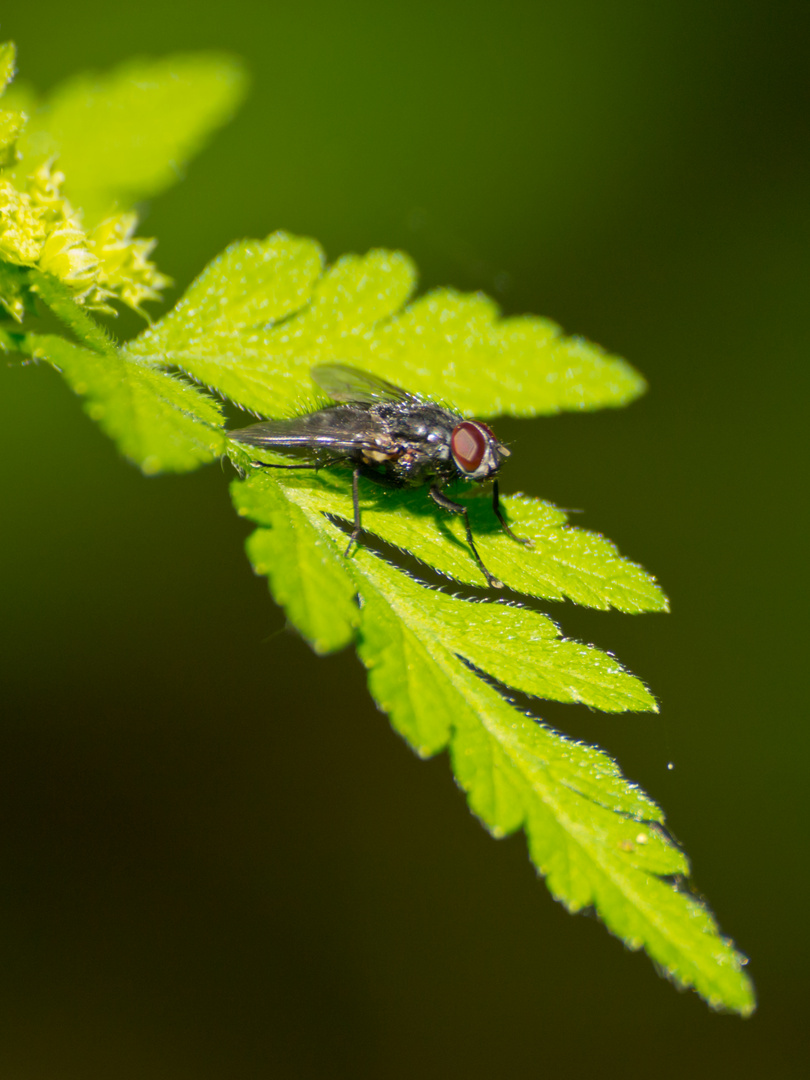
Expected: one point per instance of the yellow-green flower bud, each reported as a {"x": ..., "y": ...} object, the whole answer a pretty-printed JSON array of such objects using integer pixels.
[
  {"x": 124, "y": 269},
  {"x": 22, "y": 231},
  {"x": 65, "y": 255}
]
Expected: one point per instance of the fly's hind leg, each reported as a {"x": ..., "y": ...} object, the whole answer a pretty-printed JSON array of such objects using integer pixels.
[
  {"x": 456, "y": 508},
  {"x": 307, "y": 465},
  {"x": 356, "y": 504},
  {"x": 325, "y": 465},
  {"x": 496, "y": 506}
]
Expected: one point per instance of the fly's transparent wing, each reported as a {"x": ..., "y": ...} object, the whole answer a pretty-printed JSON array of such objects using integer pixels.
[
  {"x": 271, "y": 433},
  {"x": 340, "y": 430},
  {"x": 344, "y": 383},
  {"x": 344, "y": 430}
]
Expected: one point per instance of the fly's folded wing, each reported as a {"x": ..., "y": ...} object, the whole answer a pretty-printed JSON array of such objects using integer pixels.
[
  {"x": 344, "y": 383},
  {"x": 342, "y": 430}
]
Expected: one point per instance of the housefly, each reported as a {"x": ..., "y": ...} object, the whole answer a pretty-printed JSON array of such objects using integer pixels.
[{"x": 390, "y": 437}]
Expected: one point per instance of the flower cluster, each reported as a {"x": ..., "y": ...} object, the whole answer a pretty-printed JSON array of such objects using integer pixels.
[{"x": 39, "y": 228}]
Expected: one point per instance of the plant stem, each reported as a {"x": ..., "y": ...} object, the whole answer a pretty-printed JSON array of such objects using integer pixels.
[{"x": 60, "y": 300}]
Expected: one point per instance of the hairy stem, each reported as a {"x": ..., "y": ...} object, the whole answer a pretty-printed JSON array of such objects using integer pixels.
[{"x": 61, "y": 302}]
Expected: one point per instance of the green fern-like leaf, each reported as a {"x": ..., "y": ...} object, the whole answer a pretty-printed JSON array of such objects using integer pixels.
[
  {"x": 251, "y": 327},
  {"x": 8, "y": 58},
  {"x": 595, "y": 838},
  {"x": 126, "y": 135},
  {"x": 565, "y": 562},
  {"x": 499, "y": 638},
  {"x": 257, "y": 319},
  {"x": 12, "y": 122},
  {"x": 158, "y": 420}
]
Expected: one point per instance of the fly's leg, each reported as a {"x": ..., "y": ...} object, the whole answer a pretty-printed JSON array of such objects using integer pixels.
[
  {"x": 308, "y": 465},
  {"x": 496, "y": 506},
  {"x": 356, "y": 504},
  {"x": 456, "y": 508},
  {"x": 325, "y": 465}
]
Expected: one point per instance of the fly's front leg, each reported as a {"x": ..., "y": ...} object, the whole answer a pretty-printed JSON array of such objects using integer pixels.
[
  {"x": 496, "y": 506},
  {"x": 456, "y": 508}
]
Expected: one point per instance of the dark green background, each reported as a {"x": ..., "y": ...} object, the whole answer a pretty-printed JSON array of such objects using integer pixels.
[{"x": 216, "y": 857}]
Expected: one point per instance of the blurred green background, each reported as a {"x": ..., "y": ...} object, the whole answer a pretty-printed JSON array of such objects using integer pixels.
[{"x": 216, "y": 857}]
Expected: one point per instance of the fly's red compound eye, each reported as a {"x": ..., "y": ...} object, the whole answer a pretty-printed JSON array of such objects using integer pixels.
[{"x": 468, "y": 444}]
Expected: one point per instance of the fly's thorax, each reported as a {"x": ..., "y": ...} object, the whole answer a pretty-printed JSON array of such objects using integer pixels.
[{"x": 419, "y": 424}]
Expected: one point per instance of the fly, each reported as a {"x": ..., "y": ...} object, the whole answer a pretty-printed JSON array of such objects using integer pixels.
[{"x": 390, "y": 437}]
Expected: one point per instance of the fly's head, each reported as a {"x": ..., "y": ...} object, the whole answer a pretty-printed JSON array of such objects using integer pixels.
[{"x": 476, "y": 451}]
